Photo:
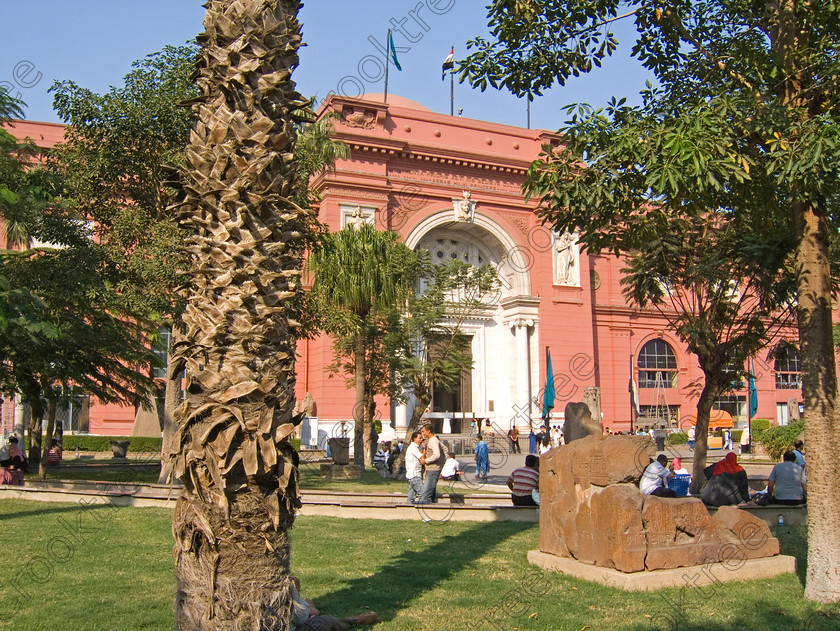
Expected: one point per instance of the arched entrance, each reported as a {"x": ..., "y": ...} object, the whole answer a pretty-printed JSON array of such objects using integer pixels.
[{"x": 498, "y": 386}]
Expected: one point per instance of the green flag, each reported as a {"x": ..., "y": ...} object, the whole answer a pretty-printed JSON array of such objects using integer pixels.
[{"x": 393, "y": 51}]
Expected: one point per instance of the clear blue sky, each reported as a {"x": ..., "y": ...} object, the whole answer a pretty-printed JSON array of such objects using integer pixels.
[{"x": 93, "y": 43}]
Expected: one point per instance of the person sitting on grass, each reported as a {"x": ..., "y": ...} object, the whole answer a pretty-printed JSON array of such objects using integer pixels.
[
  {"x": 655, "y": 478},
  {"x": 306, "y": 617},
  {"x": 728, "y": 483},
  {"x": 787, "y": 484}
]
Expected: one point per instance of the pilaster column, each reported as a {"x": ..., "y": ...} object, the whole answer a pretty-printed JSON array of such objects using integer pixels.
[{"x": 522, "y": 411}]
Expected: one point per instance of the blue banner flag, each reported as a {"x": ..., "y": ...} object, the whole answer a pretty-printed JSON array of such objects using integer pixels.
[
  {"x": 549, "y": 394},
  {"x": 753, "y": 391},
  {"x": 393, "y": 51}
]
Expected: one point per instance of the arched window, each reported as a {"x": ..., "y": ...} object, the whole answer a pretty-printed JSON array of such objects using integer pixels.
[
  {"x": 657, "y": 365},
  {"x": 788, "y": 368}
]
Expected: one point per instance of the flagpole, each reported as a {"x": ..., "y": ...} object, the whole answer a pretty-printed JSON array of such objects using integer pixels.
[
  {"x": 387, "y": 45},
  {"x": 452, "y": 92},
  {"x": 529, "y": 111},
  {"x": 632, "y": 394}
]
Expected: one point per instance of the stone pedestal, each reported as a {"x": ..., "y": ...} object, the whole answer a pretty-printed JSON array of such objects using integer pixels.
[{"x": 341, "y": 471}]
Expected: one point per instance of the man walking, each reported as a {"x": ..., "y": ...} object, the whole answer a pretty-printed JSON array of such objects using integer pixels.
[
  {"x": 523, "y": 481},
  {"x": 413, "y": 468},
  {"x": 433, "y": 459}
]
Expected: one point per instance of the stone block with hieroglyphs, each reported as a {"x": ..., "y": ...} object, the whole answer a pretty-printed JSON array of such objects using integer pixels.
[{"x": 591, "y": 510}]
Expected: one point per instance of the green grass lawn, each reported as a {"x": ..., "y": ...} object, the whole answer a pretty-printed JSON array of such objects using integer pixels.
[{"x": 72, "y": 567}]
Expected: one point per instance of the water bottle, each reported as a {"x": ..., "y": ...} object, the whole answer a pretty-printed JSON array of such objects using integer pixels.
[{"x": 781, "y": 519}]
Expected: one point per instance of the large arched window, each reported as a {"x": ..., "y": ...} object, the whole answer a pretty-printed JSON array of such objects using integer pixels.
[
  {"x": 657, "y": 365},
  {"x": 788, "y": 368}
]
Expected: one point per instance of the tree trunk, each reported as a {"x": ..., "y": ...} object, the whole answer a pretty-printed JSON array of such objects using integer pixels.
[
  {"x": 819, "y": 392},
  {"x": 359, "y": 434},
  {"x": 171, "y": 400},
  {"x": 45, "y": 448},
  {"x": 710, "y": 392},
  {"x": 246, "y": 244},
  {"x": 36, "y": 417}
]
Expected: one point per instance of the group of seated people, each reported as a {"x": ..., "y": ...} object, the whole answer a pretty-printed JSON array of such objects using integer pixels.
[
  {"x": 727, "y": 482},
  {"x": 13, "y": 467}
]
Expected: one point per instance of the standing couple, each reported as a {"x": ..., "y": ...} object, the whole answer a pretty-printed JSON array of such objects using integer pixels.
[{"x": 424, "y": 452}]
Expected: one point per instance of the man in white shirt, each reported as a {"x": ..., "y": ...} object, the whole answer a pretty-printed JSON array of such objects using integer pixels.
[
  {"x": 413, "y": 468},
  {"x": 655, "y": 478}
]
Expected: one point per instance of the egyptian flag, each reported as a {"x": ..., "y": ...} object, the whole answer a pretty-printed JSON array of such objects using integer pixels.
[{"x": 449, "y": 63}]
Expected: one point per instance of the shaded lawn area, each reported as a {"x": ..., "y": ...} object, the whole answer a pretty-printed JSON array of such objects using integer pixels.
[
  {"x": 73, "y": 567},
  {"x": 310, "y": 478}
]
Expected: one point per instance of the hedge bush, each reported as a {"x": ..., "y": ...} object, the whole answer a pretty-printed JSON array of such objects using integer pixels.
[
  {"x": 677, "y": 438},
  {"x": 138, "y": 444},
  {"x": 87, "y": 442},
  {"x": 778, "y": 440}
]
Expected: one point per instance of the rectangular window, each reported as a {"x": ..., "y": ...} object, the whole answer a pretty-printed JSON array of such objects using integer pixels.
[{"x": 657, "y": 379}]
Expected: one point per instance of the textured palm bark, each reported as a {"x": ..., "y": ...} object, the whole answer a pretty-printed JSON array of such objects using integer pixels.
[{"x": 233, "y": 454}]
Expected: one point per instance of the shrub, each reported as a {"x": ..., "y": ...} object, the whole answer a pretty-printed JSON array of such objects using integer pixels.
[
  {"x": 87, "y": 442},
  {"x": 736, "y": 435},
  {"x": 677, "y": 438},
  {"x": 138, "y": 444},
  {"x": 778, "y": 440},
  {"x": 758, "y": 425}
]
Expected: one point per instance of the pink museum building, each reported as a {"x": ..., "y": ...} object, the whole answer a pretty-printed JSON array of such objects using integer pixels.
[{"x": 452, "y": 185}]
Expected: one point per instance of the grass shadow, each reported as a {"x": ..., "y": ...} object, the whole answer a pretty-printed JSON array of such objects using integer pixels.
[
  {"x": 793, "y": 540},
  {"x": 48, "y": 510},
  {"x": 763, "y": 614},
  {"x": 413, "y": 573}
]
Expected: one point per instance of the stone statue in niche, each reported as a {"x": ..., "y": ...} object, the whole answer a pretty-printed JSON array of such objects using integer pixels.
[
  {"x": 566, "y": 260},
  {"x": 357, "y": 218},
  {"x": 464, "y": 207}
]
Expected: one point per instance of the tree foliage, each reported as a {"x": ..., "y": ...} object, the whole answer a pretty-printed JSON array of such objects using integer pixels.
[
  {"x": 361, "y": 277},
  {"x": 63, "y": 328},
  {"x": 117, "y": 160},
  {"x": 725, "y": 291},
  {"x": 745, "y": 119}
]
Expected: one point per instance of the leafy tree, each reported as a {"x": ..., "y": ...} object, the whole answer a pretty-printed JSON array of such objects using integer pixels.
[
  {"x": 725, "y": 292},
  {"x": 361, "y": 276},
  {"x": 433, "y": 349},
  {"x": 744, "y": 120},
  {"x": 245, "y": 244},
  {"x": 117, "y": 161}
]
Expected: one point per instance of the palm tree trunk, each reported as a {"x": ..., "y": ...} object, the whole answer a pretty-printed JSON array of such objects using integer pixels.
[
  {"x": 234, "y": 457},
  {"x": 359, "y": 434},
  {"x": 171, "y": 400}
]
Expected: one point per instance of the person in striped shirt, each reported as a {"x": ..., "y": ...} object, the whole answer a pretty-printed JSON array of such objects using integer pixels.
[{"x": 523, "y": 481}]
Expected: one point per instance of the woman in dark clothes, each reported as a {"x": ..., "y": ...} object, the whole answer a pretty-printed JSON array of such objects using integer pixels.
[{"x": 728, "y": 483}]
